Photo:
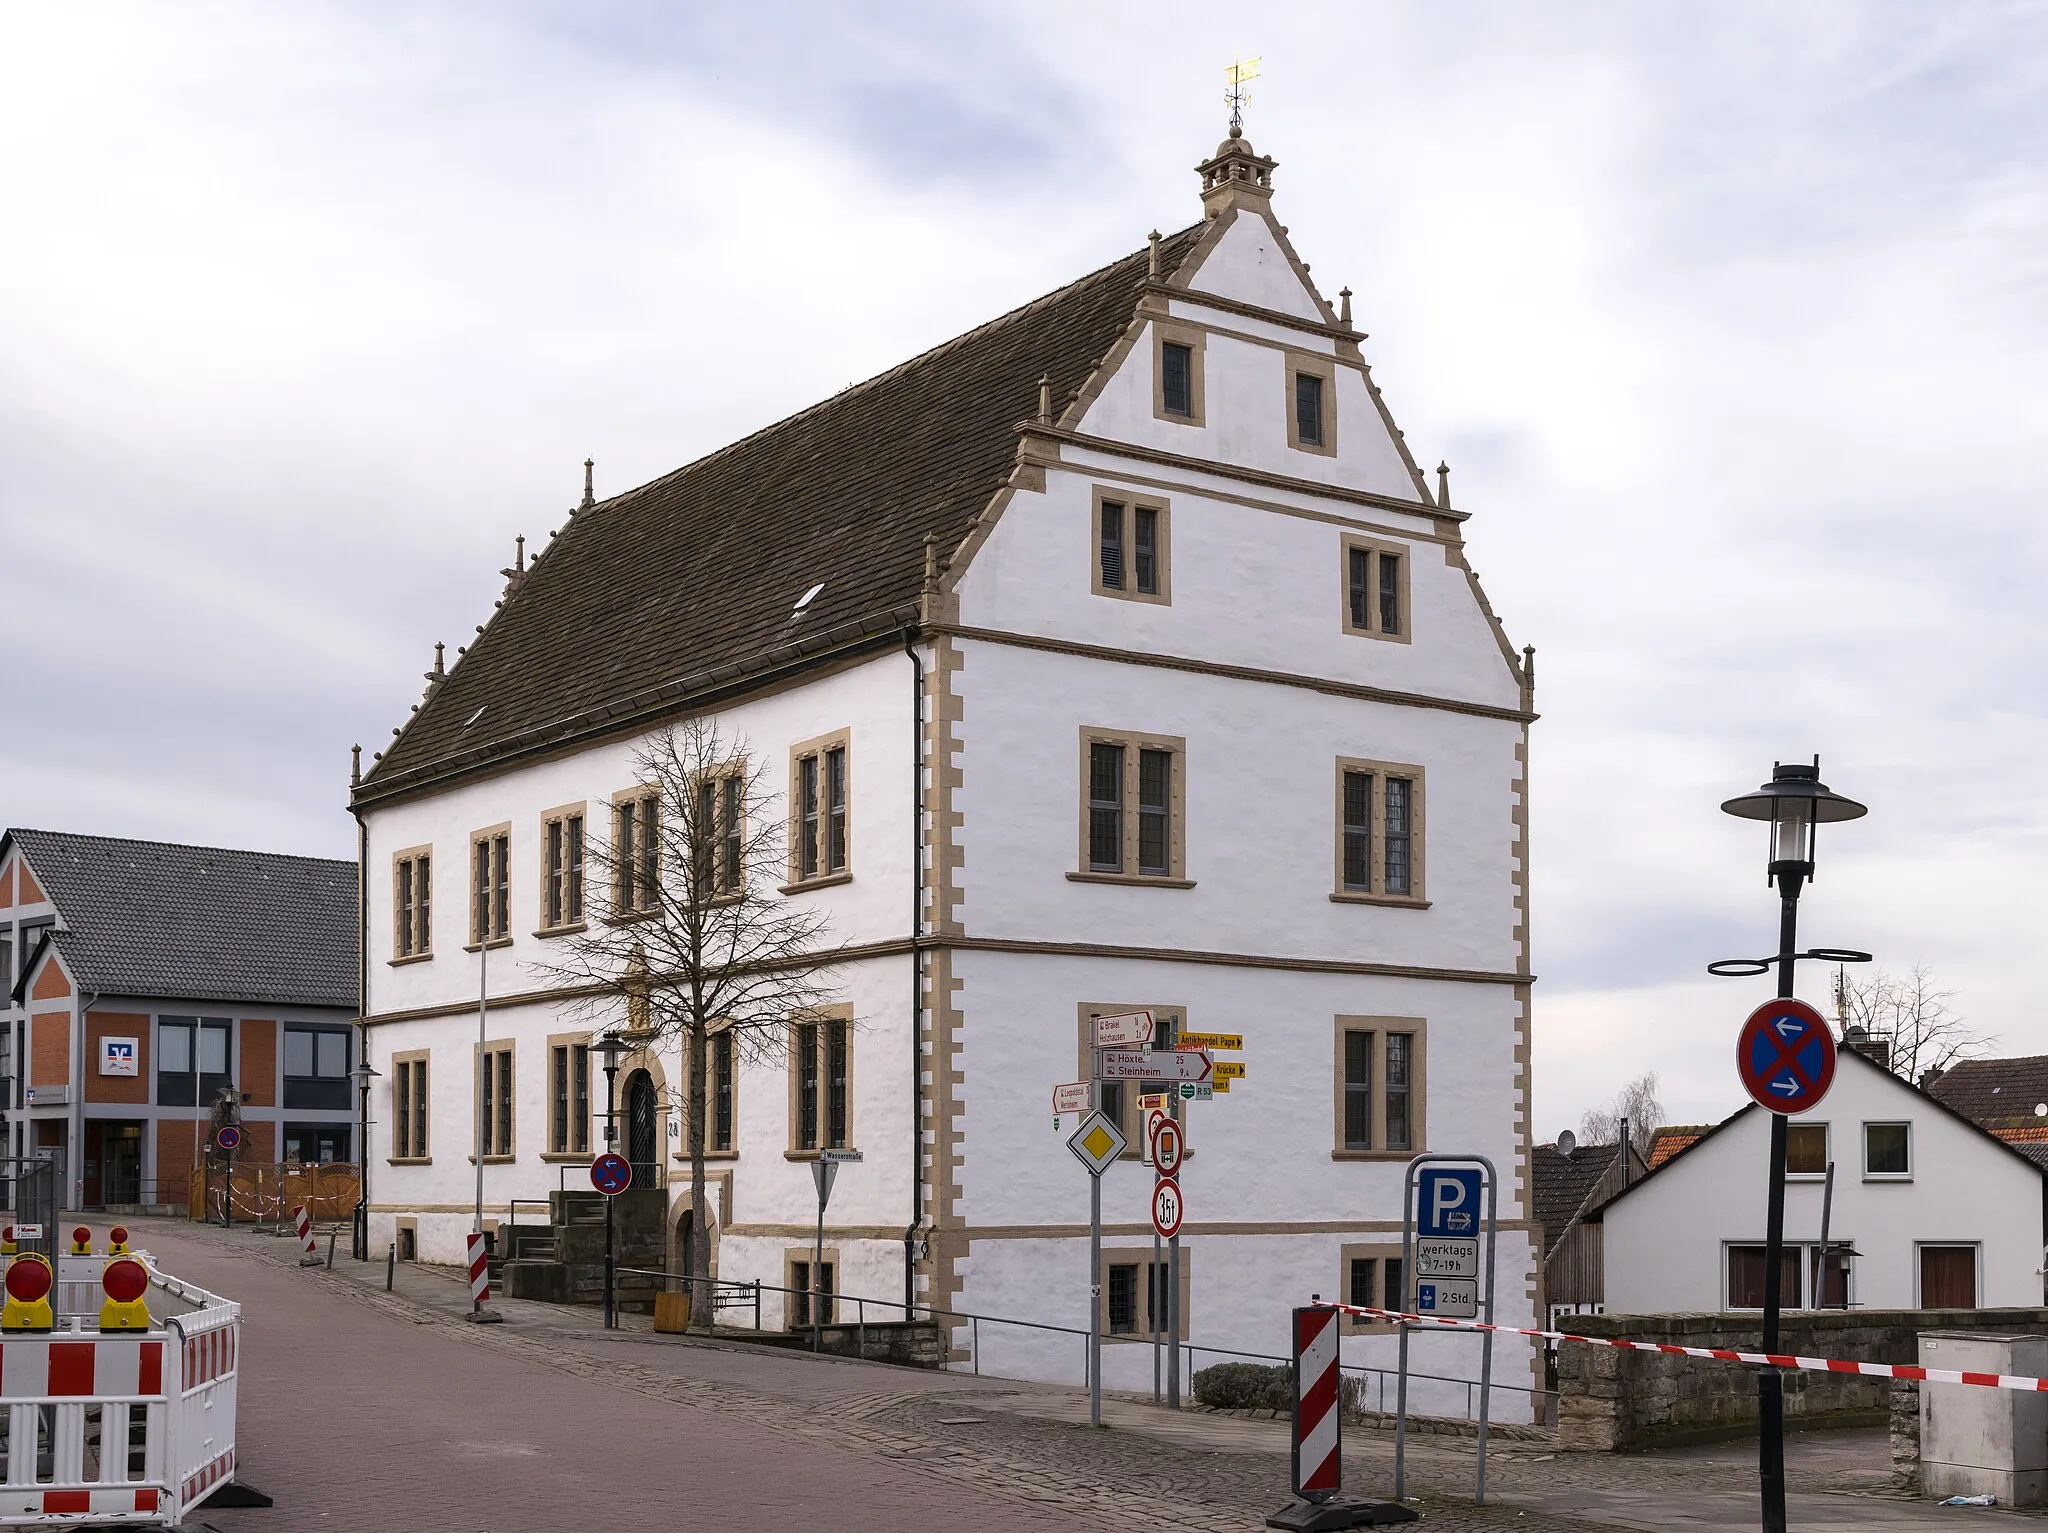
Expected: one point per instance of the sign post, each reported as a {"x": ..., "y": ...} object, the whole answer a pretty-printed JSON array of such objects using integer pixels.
[
  {"x": 1096, "y": 1144},
  {"x": 611, "y": 1174},
  {"x": 823, "y": 1170},
  {"x": 1441, "y": 1222}
]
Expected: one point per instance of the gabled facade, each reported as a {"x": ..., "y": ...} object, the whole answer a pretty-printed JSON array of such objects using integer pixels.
[
  {"x": 1571, "y": 1183},
  {"x": 1931, "y": 1210},
  {"x": 140, "y": 978},
  {"x": 1161, "y": 680}
]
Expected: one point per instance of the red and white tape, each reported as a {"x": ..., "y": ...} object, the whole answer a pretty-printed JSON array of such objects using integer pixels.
[{"x": 1725, "y": 1354}]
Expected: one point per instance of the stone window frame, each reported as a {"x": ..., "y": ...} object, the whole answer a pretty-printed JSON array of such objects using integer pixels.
[
  {"x": 640, "y": 795},
  {"x": 566, "y": 1152},
  {"x": 1196, "y": 339},
  {"x": 818, "y": 1016},
  {"x": 422, "y": 919},
  {"x": 1418, "y": 1087},
  {"x": 1134, "y": 741},
  {"x": 1381, "y": 1251},
  {"x": 561, "y": 815},
  {"x": 1312, "y": 364},
  {"x": 498, "y": 836},
  {"x": 791, "y": 1256},
  {"x": 1131, "y": 504},
  {"x": 1403, "y": 584},
  {"x": 1417, "y": 897},
  {"x": 420, "y": 1113},
  {"x": 1141, "y": 1257},
  {"x": 505, "y": 1049},
  {"x": 728, "y": 780},
  {"x": 817, "y": 748},
  {"x": 1126, "y": 1116},
  {"x": 723, "y": 1027}
]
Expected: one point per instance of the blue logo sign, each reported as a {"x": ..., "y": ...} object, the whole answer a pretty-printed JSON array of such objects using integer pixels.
[
  {"x": 1450, "y": 1201},
  {"x": 611, "y": 1174}
]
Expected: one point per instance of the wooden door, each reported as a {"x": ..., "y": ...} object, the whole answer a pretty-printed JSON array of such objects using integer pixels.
[{"x": 1948, "y": 1277}]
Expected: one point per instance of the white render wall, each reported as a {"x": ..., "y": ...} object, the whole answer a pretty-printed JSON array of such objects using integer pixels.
[{"x": 1665, "y": 1244}]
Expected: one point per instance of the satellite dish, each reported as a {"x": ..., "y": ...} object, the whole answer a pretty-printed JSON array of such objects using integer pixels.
[
  {"x": 1567, "y": 1142},
  {"x": 2041, "y": 1109}
]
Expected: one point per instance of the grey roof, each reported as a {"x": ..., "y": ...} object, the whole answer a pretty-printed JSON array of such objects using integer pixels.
[
  {"x": 1563, "y": 1183},
  {"x": 1994, "y": 1091},
  {"x": 198, "y": 923}
]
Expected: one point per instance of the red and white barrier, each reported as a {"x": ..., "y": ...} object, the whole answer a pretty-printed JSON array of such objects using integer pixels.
[
  {"x": 479, "y": 1270},
  {"x": 303, "y": 1223},
  {"x": 1723, "y": 1354},
  {"x": 1318, "y": 1421}
]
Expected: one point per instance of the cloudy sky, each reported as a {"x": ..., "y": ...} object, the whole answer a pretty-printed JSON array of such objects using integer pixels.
[{"x": 1729, "y": 318}]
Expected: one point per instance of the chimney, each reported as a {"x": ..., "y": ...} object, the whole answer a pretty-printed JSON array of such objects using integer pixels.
[{"x": 1872, "y": 1046}]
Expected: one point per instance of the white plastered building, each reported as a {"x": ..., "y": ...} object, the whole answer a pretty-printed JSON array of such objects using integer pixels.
[{"x": 1160, "y": 680}]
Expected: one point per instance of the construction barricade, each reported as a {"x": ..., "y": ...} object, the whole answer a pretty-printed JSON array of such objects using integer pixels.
[{"x": 116, "y": 1426}]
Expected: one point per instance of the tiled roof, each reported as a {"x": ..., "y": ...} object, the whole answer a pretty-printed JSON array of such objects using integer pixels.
[
  {"x": 1994, "y": 1090},
  {"x": 198, "y": 923},
  {"x": 2030, "y": 1140},
  {"x": 1563, "y": 1183},
  {"x": 693, "y": 579},
  {"x": 1669, "y": 1140}
]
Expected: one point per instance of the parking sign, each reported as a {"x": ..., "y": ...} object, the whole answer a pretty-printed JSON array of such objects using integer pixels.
[{"x": 1449, "y": 1201}]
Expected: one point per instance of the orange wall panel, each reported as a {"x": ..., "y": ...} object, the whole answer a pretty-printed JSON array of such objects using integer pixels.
[
  {"x": 49, "y": 1048},
  {"x": 174, "y": 1158},
  {"x": 258, "y": 1078},
  {"x": 7, "y": 886},
  {"x": 50, "y": 985},
  {"x": 31, "y": 891},
  {"x": 116, "y": 1088}
]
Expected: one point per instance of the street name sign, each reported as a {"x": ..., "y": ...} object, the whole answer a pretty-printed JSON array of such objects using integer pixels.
[
  {"x": 1785, "y": 1056},
  {"x": 1123, "y": 1030},
  {"x": 1096, "y": 1143},
  {"x": 1452, "y": 1298},
  {"x": 1072, "y": 1097},
  {"x": 1231, "y": 1041},
  {"x": 1167, "y": 1207},
  {"x": 1156, "y": 1065},
  {"x": 1446, "y": 1256},
  {"x": 1449, "y": 1201}
]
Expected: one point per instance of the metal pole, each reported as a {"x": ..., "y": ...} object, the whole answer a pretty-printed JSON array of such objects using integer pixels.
[
  {"x": 1175, "y": 1112},
  {"x": 1486, "y": 1345},
  {"x": 1153, "y": 1305},
  {"x": 1770, "y": 1384},
  {"x": 1400, "y": 1303},
  {"x": 610, "y": 1316},
  {"x": 1820, "y": 1260},
  {"x": 818, "y": 1270},
  {"x": 1095, "y": 1299},
  {"x": 483, "y": 987}
]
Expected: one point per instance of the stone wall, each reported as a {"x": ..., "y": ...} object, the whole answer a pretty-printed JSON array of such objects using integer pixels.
[{"x": 1610, "y": 1399}]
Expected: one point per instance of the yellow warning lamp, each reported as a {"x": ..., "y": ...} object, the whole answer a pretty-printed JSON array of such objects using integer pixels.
[
  {"x": 29, "y": 1281},
  {"x": 7, "y": 1241},
  {"x": 81, "y": 1241},
  {"x": 117, "y": 1240},
  {"x": 125, "y": 1281}
]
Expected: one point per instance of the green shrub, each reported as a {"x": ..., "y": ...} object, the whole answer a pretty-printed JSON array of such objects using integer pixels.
[{"x": 1246, "y": 1387}]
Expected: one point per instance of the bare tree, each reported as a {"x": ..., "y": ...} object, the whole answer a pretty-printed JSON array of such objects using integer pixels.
[
  {"x": 1910, "y": 1013},
  {"x": 699, "y": 943},
  {"x": 1637, "y": 1104}
]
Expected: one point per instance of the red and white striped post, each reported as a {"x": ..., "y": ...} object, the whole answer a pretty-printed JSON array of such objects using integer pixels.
[
  {"x": 1319, "y": 1436},
  {"x": 479, "y": 1271},
  {"x": 303, "y": 1223}
]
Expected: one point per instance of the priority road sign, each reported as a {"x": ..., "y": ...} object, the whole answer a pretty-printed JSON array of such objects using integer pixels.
[
  {"x": 1123, "y": 1030},
  {"x": 1455, "y": 1298},
  {"x": 1450, "y": 1203},
  {"x": 1231, "y": 1041},
  {"x": 1167, "y": 1207},
  {"x": 1097, "y": 1143},
  {"x": 1785, "y": 1056},
  {"x": 228, "y": 1137},
  {"x": 1156, "y": 1065},
  {"x": 611, "y": 1174},
  {"x": 1169, "y": 1144}
]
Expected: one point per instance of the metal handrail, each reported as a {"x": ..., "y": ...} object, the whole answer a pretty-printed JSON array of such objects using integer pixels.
[{"x": 860, "y": 1311}]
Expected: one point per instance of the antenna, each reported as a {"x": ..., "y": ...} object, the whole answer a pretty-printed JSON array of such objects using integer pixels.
[{"x": 1240, "y": 73}]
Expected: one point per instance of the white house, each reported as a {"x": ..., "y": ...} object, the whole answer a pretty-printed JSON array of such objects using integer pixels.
[
  {"x": 1144, "y": 668},
  {"x": 1940, "y": 1213}
]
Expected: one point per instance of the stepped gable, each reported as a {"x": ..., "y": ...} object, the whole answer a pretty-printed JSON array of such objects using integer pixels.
[{"x": 692, "y": 580}]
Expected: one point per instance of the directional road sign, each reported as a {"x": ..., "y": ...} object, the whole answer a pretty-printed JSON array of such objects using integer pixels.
[
  {"x": 1070, "y": 1098},
  {"x": 1785, "y": 1056},
  {"x": 1231, "y": 1041},
  {"x": 1454, "y": 1298},
  {"x": 228, "y": 1137},
  {"x": 1169, "y": 1144},
  {"x": 1450, "y": 1201},
  {"x": 1190, "y": 1092},
  {"x": 1123, "y": 1030},
  {"x": 1446, "y": 1256},
  {"x": 1156, "y": 1065},
  {"x": 1096, "y": 1143},
  {"x": 1167, "y": 1207},
  {"x": 611, "y": 1174},
  {"x": 1230, "y": 1069}
]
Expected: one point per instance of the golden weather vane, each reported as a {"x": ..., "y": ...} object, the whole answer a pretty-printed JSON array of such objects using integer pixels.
[{"x": 1239, "y": 73}]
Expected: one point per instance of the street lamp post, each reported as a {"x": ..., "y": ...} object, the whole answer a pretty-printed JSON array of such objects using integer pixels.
[
  {"x": 1794, "y": 801},
  {"x": 609, "y": 1048},
  {"x": 359, "y": 1240}
]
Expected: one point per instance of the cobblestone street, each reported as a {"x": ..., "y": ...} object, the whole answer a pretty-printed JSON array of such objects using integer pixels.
[{"x": 387, "y": 1410}]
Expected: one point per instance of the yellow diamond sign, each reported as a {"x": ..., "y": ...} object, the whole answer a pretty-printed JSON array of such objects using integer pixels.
[{"x": 1096, "y": 1143}]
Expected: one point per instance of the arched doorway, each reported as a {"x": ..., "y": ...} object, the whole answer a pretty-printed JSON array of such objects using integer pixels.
[{"x": 643, "y": 1129}]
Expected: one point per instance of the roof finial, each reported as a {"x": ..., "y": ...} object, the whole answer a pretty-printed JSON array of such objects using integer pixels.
[
  {"x": 519, "y": 553},
  {"x": 1443, "y": 481},
  {"x": 1240, "y": 72},
  {"x": 1529, "y": 666},
  {"x": 440, "y": 671},
  {"x": 1045, "y": 399},
  {"x": 1152, "y": 261},
  {"x": 931, "y": 562},
  {"x": 1344, "y": 313},
  {"x": 589, "y": 499},
  {"x": 355, "y": 765}
]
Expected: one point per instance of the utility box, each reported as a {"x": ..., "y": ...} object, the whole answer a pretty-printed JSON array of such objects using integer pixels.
[{"x": 1977, "y": 1441}]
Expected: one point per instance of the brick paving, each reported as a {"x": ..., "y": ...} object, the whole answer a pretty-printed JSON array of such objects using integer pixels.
[{"x": 387, "y": 1410}]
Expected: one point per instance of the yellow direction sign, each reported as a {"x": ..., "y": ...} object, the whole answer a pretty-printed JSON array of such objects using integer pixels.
[
  {"x": 1222, "y": 1086},
  {"x": 1229, "y": 1070},
  {"x": 1210, "y": 1041},
  {"x": 1096, "y": 1143}
]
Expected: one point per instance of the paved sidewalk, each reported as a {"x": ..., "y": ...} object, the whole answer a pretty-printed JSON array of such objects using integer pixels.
[{"x": 390, "y": 1410}]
